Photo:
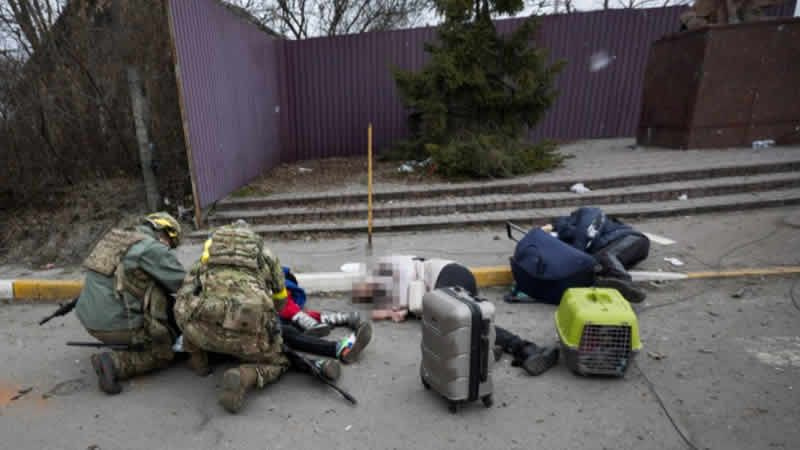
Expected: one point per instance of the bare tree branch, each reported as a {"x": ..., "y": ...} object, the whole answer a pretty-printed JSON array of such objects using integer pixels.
[{"x": 300, "y": 19}]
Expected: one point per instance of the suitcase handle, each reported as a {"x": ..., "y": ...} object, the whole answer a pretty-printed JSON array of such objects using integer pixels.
[
  {"x": 510, "y": 226},
  {"x": 485, "y": 351}
]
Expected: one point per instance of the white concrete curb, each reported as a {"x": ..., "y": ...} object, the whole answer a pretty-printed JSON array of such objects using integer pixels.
[
  {"x": 328, "y": 281},
  {"x": 6, "y": 290}
]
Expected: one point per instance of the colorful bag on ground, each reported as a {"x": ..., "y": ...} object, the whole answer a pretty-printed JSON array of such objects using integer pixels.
[{"x": 298, "y": 294}]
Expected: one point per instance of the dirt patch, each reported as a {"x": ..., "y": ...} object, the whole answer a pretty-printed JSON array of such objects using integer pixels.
[
  {"x": 7, "y": 392},
  {"x": 62, "y": 228},
  {"x": 333, "y": 173}
]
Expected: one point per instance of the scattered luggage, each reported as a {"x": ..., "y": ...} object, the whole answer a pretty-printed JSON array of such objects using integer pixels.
[
  {"x": 457, "y": 346},
  {"x": 543, "y": 267},
  {"x": 598, "y": 331}
]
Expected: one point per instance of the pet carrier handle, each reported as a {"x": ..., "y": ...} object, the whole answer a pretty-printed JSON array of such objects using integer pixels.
[
  {"x": 599, "y": 297},
  {"x": 485, "y": 350}
]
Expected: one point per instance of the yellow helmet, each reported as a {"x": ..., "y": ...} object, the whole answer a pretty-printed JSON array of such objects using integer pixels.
[{"x": 162, "y": 221}]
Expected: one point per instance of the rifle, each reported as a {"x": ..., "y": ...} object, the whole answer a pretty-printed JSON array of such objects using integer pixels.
[
  {"x": 300, "y": 359},
  {"x": 63, "y": 310},
  {"x": 123, "y": 347}
]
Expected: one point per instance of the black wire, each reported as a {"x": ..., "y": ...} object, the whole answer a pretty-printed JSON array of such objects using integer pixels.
[
  {"x": 652, "y": 388},
  {"x": 746, "y": 244},
  {"x": 791, "y": 294},
  {"x": 681, "y": 300}
]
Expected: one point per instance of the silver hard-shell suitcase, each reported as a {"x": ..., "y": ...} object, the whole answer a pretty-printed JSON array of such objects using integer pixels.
[{"x": 457, "y": 341}]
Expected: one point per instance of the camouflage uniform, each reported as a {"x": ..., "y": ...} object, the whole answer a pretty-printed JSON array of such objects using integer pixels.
[
  {"x": 229, "y": 301},
  {"x": 125, "y": 298}
]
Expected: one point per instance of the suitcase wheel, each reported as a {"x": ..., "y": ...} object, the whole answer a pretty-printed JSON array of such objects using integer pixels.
[
  {"x": 487, "y": 400},
  {"x": 453, "y": 407}
]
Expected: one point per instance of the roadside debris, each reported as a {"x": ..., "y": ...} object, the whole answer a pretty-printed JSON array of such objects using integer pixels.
[
  {"x": 579, "y": 188},
  {"x": 674, "y": 261},
  {"x": 683, "y": 197},
  {"x": 766, "y": 143},
  {"x": 405, "y": 168},
  {"x": 304, "y": 170},
  {"x": 739, "y": 293},
  {"x": 412, "y": 166},
  {"x": 656, "y": 355}
]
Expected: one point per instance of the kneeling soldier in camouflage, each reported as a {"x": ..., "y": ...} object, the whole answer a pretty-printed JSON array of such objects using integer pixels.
[
  {"x": 126, "y": 298},
  {"x": 229, "y": 304}
]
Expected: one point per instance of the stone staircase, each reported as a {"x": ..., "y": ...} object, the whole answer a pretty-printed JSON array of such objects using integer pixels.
[{"x": 708, "y": 186}]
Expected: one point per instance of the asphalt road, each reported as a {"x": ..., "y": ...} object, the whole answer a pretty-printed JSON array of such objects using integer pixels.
[{"x": 728, "y": 378}]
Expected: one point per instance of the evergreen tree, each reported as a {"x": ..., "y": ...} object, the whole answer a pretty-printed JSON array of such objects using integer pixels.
[{"x": 472, "y": 104}]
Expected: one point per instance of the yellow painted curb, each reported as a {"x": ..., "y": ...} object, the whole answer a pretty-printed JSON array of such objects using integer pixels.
[
  {"x": 492, "y": 276},
  {"x": 786, "y": 270},
  {"x": 501, "y": 275},
  {"x": 46, "y": 290}
]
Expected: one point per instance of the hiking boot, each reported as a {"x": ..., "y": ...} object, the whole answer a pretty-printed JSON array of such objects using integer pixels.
[
  {"x": 310, "y": 326},
  {"x": 630, "y": 291},
  {"x": 350, "y": 319},
  {"x": 198, "y": 361},
  {"x": 103, "y": 366},
  {"x": 351, "y": 347},
  {"x": 536, "y": 360},
  {"x": 235, "y": 384},
  {"x": 330, "y": 368}
]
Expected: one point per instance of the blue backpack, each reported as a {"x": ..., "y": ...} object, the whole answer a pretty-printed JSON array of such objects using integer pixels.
[{"x": 544, "y": 267}]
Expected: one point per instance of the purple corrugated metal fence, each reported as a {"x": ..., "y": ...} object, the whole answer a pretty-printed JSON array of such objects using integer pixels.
[
  {"x": 230, "y": 93},
  {"x": 250, "y": 101},
  {"x": 342, "y": 83}
]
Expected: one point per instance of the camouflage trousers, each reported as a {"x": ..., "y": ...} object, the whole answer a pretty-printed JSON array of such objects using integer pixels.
[
  {"x": 154, "y": 337},
  {"x": 260, "y": 352}
]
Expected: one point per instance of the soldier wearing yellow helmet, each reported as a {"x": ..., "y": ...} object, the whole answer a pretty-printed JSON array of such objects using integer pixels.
[{"x": 126, "y": 298}]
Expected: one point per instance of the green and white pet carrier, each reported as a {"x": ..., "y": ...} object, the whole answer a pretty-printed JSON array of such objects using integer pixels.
[{"x": 598, "y": 330}]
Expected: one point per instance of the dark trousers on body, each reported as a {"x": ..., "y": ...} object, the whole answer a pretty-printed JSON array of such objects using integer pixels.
[
  {"x": 622, "y": 254},
  {"x": 296, "y": 340}
]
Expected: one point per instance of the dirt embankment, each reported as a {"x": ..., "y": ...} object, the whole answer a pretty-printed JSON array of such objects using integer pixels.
[{"x": 61, "y": 228}]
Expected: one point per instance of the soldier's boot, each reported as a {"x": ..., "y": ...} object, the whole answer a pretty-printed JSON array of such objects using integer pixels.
[
  {"x": 534, "y": 359},
  {"x": 235, "y": 384},
  {"x": 350, "y": 319},
  {"x": 310, "y": 326},
  {"x": 329, "y": 368},
  {"x": 198, "y": 358},
  {"x": 107, "y": 380},
  {"x": 349, "y": 348}
]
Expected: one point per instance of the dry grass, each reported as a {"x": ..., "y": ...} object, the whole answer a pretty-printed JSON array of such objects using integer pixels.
[{"x": 330, "y": 173}]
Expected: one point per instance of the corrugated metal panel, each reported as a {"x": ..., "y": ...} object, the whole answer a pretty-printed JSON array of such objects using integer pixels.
[
  {"x": 230, "y": 89},
  {"x": 342, "y": 83},
  {"x": 233, "y": 77}
]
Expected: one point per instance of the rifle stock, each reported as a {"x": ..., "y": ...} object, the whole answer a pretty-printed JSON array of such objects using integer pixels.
[{"x": 318, "y": 374}]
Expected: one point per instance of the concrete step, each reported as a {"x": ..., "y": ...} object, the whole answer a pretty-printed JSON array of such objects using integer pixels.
[
  {"x": 541, "y": 183},
  {"x": 734, "y": 202},
  {"x": 526, "y": 201}
]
